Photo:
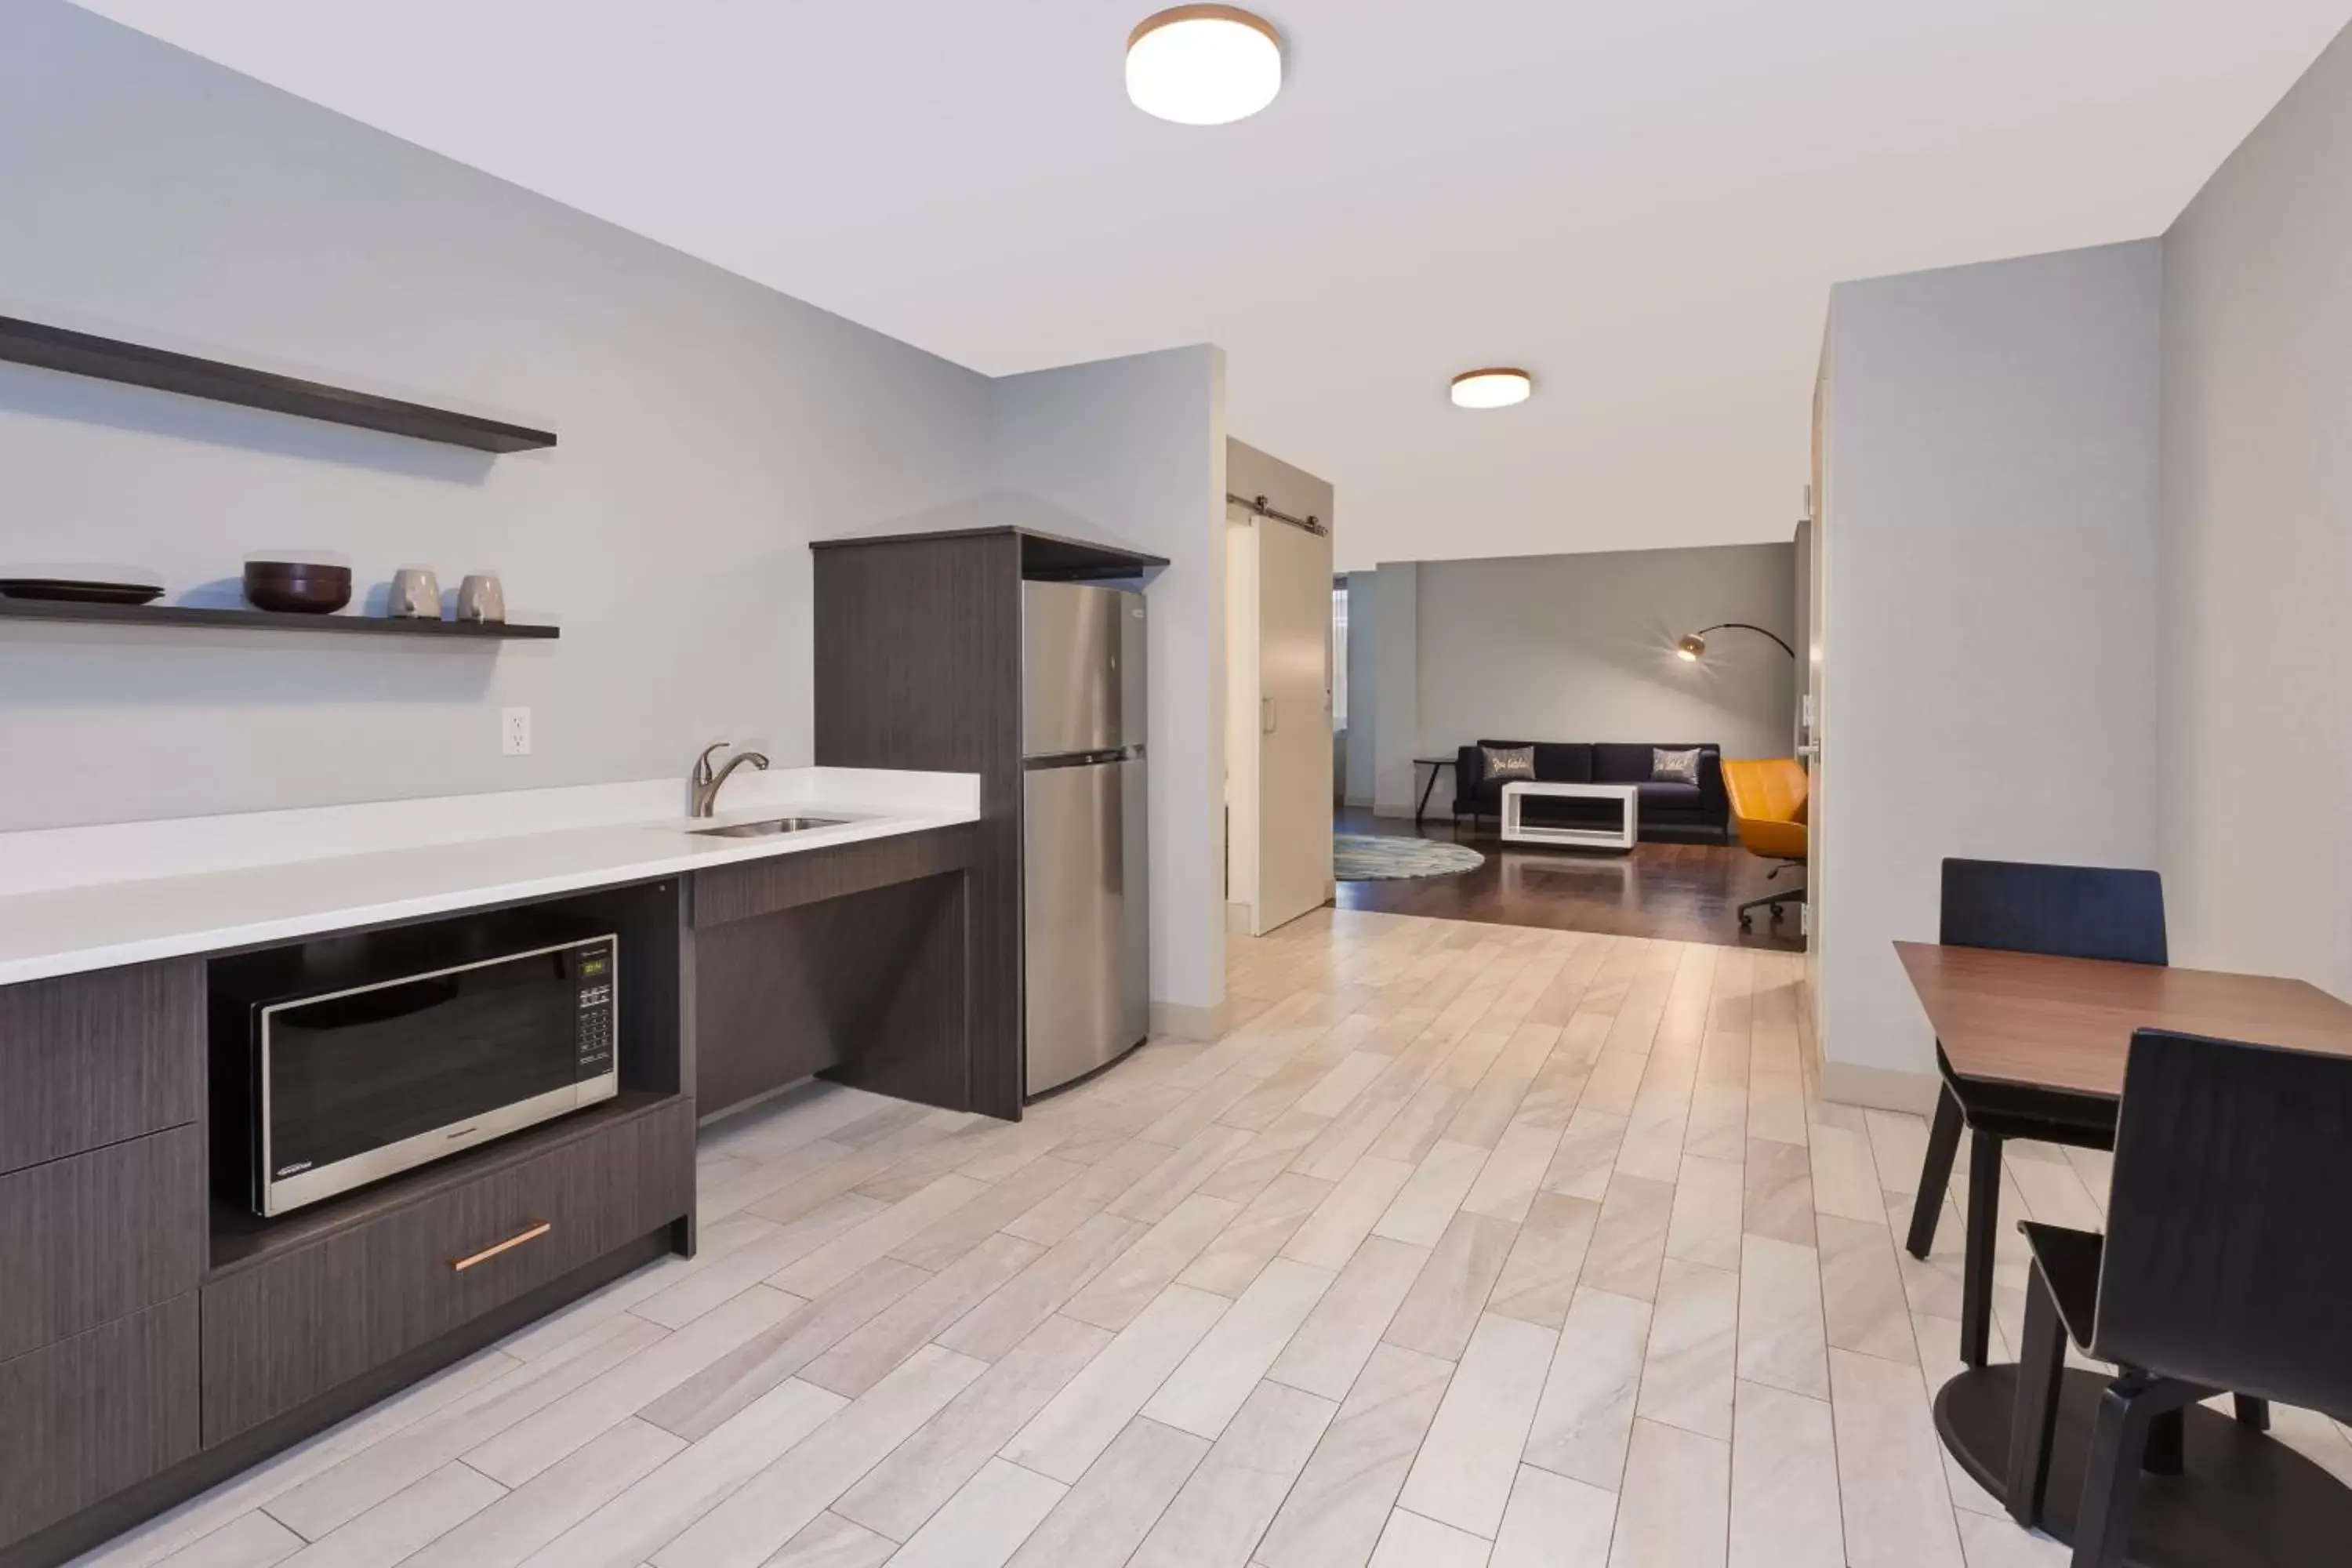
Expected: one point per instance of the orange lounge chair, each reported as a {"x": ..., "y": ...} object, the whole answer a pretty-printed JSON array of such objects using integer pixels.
[{"x": 1768, "y": 797}]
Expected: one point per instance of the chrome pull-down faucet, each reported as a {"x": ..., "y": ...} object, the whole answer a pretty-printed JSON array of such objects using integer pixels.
[{"x": 705, "y": 781}]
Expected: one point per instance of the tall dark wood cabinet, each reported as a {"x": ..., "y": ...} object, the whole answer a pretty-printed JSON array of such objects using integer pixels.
[{"x": 918, "y": 666}]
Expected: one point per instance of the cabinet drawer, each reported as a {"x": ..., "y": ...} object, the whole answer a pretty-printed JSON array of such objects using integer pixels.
[
  {"x": 101, "y": 1236},
  {"x": 288, "y": 1329},
  {"x": 91, "y": 1060},
  {"x": 93, "y": 1415}
]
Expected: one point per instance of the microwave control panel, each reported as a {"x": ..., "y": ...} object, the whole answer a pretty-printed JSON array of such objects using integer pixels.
[{"x": 599, "y": 976}]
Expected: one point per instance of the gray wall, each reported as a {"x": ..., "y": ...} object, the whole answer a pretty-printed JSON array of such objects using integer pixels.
[
  {"x": 1582, "y": 648},
  {"x": 709, "y": 428},
  {"x": 2256, "y": 739},
  {"x": 1989, "y": 533},
  {"x": 1363, "y": 688},
  {"x": 1396, "y": 673}
]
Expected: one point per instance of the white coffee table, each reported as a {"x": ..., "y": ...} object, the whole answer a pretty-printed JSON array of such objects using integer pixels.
[{"x": 1516, "y": 830}]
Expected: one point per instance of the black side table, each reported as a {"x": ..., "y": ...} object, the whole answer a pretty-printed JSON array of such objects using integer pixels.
[{"x": 1432, "y": 764}]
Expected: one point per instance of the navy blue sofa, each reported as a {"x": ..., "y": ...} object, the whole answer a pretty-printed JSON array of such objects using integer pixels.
[{"x": 1667, "y": 810}]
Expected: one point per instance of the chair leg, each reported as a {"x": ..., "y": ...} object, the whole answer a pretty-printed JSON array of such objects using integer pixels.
[
  {"x": 1976, "y": 1268},
  {"x": 2040, "y": 1375},
  {"x": 2253, "y": 1411},
  {"x": 2167, "y": 1448},
  {"x": 1935, "y": 1175},
  {"x": 2111, "y": 1475},
  {"x": 1772, "y": 902}
]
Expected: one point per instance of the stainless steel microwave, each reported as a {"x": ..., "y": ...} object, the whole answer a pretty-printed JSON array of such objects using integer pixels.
[{"x": 331, "y": 1089}]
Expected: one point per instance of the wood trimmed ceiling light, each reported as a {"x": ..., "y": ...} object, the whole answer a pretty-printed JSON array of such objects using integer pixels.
[
  {"x": 1495, "y": 386},
  {"x": 1203, "y": 65}
]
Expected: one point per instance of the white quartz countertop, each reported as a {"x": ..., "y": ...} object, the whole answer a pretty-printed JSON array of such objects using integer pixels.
[{"x": 73, "y": 899}]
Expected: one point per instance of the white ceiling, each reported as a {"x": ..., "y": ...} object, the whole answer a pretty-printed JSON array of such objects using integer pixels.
[{"x": 1643, "y": 203}]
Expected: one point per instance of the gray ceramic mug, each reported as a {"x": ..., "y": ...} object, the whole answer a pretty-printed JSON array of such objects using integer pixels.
[
  {"x": 480, "y": 598},
  {"x": 416, "y": 594}
]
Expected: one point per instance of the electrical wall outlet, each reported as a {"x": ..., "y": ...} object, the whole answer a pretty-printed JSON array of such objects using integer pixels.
[{"x": 514, "y": 731}]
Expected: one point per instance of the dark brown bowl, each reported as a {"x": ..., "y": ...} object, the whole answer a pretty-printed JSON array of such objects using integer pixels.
[{"x": 303, "y": 586}]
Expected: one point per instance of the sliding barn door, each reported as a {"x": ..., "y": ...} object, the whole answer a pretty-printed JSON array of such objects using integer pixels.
[{"x": 1294, "y": 669}]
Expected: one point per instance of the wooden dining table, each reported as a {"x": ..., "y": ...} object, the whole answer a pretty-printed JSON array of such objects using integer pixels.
[
  {"x": 2048, "y": 1037},
  {"x": 2064, "y": 1024}
]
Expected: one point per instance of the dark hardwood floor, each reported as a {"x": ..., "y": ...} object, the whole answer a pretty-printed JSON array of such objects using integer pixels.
[{"x": 1682, "y": 892}]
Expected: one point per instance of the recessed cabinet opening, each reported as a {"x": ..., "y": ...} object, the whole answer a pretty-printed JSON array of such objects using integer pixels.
[{"x": 359, "y": 1070}]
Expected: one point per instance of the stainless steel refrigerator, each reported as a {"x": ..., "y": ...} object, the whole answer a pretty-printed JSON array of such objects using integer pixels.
[{"x": 1087, "y": 968}]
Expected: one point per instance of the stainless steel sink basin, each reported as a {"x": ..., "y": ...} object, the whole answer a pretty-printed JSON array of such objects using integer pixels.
[{"x": 773, "y": 825}]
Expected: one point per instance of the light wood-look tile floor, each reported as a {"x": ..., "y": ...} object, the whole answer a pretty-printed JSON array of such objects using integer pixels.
[{"x": 1468, "y": 1245}]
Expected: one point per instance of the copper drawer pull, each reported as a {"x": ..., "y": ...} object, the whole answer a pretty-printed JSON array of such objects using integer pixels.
[{"x": 461, "y": 1264}]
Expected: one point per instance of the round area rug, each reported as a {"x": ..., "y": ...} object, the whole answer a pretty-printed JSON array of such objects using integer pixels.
[{"x": 1360, "y": 858}]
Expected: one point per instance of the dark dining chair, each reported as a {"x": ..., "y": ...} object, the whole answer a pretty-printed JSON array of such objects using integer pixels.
[
  {"x": 2066, "y": 912},
  {"x": 2225, "y": 1268}
]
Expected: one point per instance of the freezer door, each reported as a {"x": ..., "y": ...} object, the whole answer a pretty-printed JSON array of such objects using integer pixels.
[
  {"x": 1085, "y": 934},
  {"x": 1073, "y": 690}
]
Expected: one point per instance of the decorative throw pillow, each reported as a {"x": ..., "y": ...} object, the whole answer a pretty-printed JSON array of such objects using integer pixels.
[
  {"x": 1503, "y": 765},
  {"x": 1673, "y": 767}
]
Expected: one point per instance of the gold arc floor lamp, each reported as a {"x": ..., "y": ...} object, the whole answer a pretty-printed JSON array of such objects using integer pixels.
[{"x": 1691, "y": 645}]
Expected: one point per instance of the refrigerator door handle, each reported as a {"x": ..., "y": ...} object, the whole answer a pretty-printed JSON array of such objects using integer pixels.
[{"x": 1082, "y": 759}]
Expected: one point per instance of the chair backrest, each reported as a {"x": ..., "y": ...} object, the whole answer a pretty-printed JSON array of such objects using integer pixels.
[
  {"x": 1767, "y": 796},
  {"x": 1765, "y": 789},
  {"x": 2071, "y": 912},
  {"x": 2227, "y": 1259}
]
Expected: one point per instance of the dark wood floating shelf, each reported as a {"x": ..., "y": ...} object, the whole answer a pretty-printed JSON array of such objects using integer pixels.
[
  {"x": 83, "y": 353},
  {"x": 265, "y": 620}
]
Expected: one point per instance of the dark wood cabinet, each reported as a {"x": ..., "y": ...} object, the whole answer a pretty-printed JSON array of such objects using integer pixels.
[
  {"x": 86, "y": 1417},
  {"x": 101, "y": 1236},
  {"x": 91, "y": 1060},
  {"x": 918, "y": 666},
  {"x": 869, "y": 988},
  {"x": 295, "y": 1325},
  {"x": 852, "y": 962},
  {"x": 153, "y": 1342}
]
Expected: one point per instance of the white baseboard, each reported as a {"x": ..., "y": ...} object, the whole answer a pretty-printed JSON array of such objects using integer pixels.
[
  {"x": 1238, "y": 920},
  {"x": 1880, "y": 1089},
  {"x": 1186, "y": 1022}
]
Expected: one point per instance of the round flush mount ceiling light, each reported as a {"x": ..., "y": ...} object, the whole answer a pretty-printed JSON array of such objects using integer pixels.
[
  {"x": 1203, "y": 65},
  {"x": 1497, "y": 386}
]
